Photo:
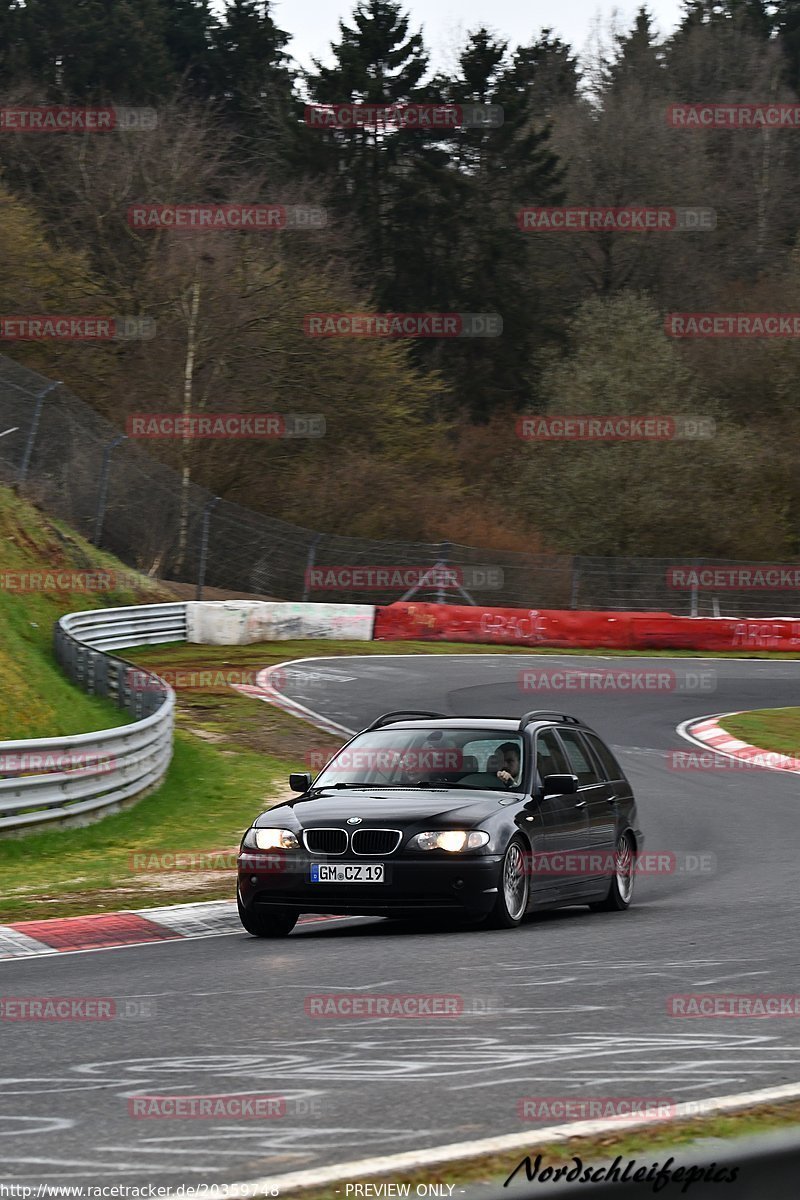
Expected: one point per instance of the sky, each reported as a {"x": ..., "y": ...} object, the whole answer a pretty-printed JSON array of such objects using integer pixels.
[{"x": 445, "y": 23}]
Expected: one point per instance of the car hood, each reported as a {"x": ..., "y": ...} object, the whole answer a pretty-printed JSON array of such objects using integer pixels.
[{"x": 375, "y": 806}]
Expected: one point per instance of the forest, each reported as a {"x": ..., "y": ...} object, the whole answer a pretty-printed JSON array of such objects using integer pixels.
[{"x": 422, "y": 434}]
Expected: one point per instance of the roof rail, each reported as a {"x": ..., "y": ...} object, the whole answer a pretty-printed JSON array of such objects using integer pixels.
[
  {"x": 399, "y": 715},
  {"x": 547, "y": 714},
  {"x": 478, "y": 717}
]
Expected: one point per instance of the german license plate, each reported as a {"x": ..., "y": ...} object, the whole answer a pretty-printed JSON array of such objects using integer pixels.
[{"x": 348, "y": 873}]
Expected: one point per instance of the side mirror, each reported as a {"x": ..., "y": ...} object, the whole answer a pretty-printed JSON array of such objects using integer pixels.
[
  {"x": 560, "y": 785},
  {"x": 300, "y": 781}
]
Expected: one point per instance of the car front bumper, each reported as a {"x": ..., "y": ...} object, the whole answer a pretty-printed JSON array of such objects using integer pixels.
[{"x": 465, "y": 885}]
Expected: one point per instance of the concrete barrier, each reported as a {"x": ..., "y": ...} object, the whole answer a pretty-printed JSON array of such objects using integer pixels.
[{"x": 242, "y": 622}]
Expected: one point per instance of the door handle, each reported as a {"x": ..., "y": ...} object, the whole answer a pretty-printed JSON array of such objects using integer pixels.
[
  {"x": 580, "y": 804},
  {"x": 613, "y": 799}
]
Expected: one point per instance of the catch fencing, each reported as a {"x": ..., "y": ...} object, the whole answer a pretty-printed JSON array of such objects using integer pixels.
[{"x": 78, "y": 466}]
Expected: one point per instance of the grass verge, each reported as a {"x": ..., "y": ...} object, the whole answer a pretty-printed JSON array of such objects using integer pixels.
[
  {"x": 768, "y": 728},
  {"x": 653, "y": 1143}
]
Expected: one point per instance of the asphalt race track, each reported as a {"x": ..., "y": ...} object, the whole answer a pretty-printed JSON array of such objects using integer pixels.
[{"x": 571, "y": 1004}]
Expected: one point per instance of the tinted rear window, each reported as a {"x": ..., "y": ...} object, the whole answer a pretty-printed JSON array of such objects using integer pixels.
[
  {"x": 579, "y": 756},
  {"x": 610, "y": 765}
]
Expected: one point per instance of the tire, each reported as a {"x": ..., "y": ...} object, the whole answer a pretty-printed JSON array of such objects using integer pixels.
[
  {"x": 620, "y": 890},
  {"x": 275, "y": 924},
  {"x": 513, "y": 889}
]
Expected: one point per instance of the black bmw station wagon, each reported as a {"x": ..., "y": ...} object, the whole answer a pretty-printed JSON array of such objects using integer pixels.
[{"x": 422, "y": 814}]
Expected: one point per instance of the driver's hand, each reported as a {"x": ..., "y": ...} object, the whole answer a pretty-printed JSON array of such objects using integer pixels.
[{"x": 505, "y": 776}]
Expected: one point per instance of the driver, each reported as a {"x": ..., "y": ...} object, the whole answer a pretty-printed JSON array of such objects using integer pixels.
[{"x": 510, "y": 771}]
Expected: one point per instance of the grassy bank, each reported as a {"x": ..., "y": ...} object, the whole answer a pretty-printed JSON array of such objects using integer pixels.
[
  {"x": 36, "y": 698},
  {"x": 768, "y": 728}
]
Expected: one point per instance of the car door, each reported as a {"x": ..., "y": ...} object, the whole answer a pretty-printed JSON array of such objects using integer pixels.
[
  {"x": 565, "y": 819},
  {"x": 594, "y": 797},
  {"x": 604, "y": 814}
]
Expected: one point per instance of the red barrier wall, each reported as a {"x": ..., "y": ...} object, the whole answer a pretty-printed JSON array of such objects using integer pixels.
[{"x": 615, "y": 630}]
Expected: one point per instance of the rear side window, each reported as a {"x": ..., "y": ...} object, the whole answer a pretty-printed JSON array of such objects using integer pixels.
[
  {"x": 550, "y": 758},
  {"x": 579, "y": 758},
  {"x": 610, "y": 765}
]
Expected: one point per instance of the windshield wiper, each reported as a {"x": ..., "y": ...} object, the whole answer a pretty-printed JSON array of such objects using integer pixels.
[
  {"x": 318, "y": 787},
  {"x": 380, "y": 787}
]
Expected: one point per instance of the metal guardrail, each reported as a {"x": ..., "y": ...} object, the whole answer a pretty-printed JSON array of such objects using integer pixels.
[{"x": 113, "y": 765}]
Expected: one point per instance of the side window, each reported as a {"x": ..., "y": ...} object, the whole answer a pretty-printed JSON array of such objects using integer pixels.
[
  {"x": 610, "y": 765},
  {"x": 579, "y": 758},
  {"x": 550, "y": 758}
]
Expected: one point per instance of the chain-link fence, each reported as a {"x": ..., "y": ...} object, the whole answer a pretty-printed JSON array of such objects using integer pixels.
[{"x": 77, "y": 466}]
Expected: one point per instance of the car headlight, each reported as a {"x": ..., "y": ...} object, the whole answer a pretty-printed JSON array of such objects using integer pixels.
[
  {"x": 454, "y": 840},
  {"x": 269, "y": 839}
]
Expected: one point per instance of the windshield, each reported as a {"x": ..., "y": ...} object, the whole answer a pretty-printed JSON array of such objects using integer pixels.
[{"x": 462, "y": 758}]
